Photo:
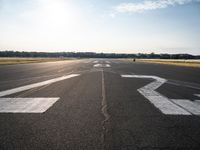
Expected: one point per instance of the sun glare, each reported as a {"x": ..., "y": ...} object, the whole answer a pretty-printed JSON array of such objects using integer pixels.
[
  {"x": 57, "y": 14},
  {"x": 57, "y": 20}
]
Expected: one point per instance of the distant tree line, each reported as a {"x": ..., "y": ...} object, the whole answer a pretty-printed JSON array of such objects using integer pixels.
[
  {"x": 167, "y": 56},
  {"x": 96, "y": 55}
]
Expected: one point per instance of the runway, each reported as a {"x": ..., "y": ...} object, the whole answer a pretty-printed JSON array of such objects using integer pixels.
[{"x": 99, "y": 104}]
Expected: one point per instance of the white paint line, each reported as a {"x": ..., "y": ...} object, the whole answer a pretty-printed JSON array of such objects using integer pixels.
[
  {"x": 191, "y": 106},
  {"x": 95, "y": 62},
  {"x": 164, "y": 104},
  {"x": 102, "y": 65},
  {"x": 104, "y": 110},
  {"x": 97, "y": 65},
  {"x": 26, "y": 105},
  {"x": 27, "y": 87},
  {"x": 107, "y": 65},
  {"x": 150, "y": 87},
  {"x": 104, "y": 101}
]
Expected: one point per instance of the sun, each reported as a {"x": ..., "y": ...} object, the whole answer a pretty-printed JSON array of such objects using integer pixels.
[{"x": 58, "y": 13}]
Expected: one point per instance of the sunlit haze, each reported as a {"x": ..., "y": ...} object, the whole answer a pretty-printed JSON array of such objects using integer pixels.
[{"x": 120, "y": 26}]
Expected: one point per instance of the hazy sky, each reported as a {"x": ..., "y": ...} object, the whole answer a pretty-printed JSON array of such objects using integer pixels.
[{"x": 124, "y": 26}]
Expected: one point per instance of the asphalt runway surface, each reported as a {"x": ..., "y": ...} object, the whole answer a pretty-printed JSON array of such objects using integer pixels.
[{"x": 99, "y": 104}]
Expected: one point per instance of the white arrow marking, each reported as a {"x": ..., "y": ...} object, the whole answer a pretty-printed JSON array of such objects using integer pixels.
[
  {"x": 29, "y": 105},
  {"x": 27, "y": 87},
  {"x": 164, "y": 104},
  {"x": 191, "y": 106}
]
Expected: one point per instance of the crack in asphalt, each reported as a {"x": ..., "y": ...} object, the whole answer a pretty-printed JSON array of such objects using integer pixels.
[{"x": 105, "y": 113}]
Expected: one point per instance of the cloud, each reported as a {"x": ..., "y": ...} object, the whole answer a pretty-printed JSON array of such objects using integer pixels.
[{"x": 149, "y": 5}]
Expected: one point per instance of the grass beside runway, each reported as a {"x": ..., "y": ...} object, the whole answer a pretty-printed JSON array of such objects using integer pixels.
[
  {"x": 178, "y": 62},
  {"x": 18, "y": 60}
]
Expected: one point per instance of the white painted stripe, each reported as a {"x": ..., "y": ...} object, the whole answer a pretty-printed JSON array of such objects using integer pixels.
[
  {"x": 149, "y": 87},
  {"x": 97, "y": 65},
  {"x": 191, "y": 106},
  {"x": 108, "y": 62},
  {"x": 164, "y": 104},
  {"x": 27, "y": 87},
  {"x": 26, "y": 105},
  {"x": 107, "y": 65},
  {"x": 102, "y": 65},
  {"x": 145, "y": 76}
]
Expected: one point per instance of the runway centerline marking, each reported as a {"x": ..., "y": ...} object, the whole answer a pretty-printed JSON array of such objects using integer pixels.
[
  {"x": 29, "y": 105},
  {"x": 164, "y": 104},
  {"x": 104, "y": 109}
]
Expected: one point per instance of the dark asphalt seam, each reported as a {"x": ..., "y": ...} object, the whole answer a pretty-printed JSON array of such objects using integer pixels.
[
  {"x": 28, "y": 92},
  {"x": 105, "y": 113},
  {"x": 185, "y": 84}
]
